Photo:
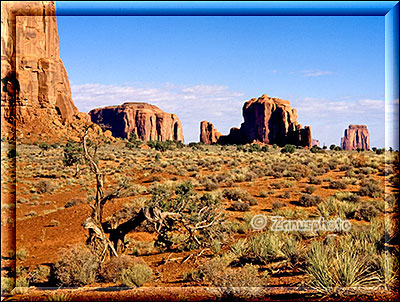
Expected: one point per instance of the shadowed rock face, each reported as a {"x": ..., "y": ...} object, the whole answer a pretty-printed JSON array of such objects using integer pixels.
[
  {"x": 356, "y": 136},
  {"x": 147, "y": 121},
  {"x": 266, "y": 120},
  {"x": 36, "y": 94}
]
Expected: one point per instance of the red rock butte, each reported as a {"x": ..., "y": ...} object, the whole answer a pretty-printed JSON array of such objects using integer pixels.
[
  {"x": 266, "y": 120},
  {"x": 36, "y": 96},
  {"x": 355, "y": 137},
  {"x": 147, "y": 121}
]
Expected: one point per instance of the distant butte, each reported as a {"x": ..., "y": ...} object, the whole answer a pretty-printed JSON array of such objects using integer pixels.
[
  {"x": 355, "y": 137},
  {"x": 266, "y": 120},
  {"x": 147, "y": 121}
]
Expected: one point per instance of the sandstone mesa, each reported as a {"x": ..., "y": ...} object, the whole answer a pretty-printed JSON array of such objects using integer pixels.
[
  {"x": 147, "y": 121},
  {"x": 266, "y": 120},
  {"x": 355, "y": 137}
]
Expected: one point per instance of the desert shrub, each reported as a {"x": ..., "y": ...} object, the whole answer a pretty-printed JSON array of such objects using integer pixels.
[
  {"x": 365, "y": 211},
  {"x": 309, "y": 189},
  {"x": 316, "y": 149},
  {"x": 337, "y": 184},
  {"x": 77, "y": 267},
  {"x": 135, "y": 276},
  {"x": 307, "y": 200},
  {"x": 328, "y": 207},
  {"x": 276, "y": 185},
  {"x": 285, "y": 195},
  {"x": 7, "y": 285},
  {"x": 41, "y": 273},
  {"x": 45, "y": 186},
  {"x": 238, "y": 195},
  {"x": 265, "y": 148},
  {"x": 263, "y": 193},
  {"x": 211, "y": 186},
  {"x": 240, "y": 206},
  {"x": 218, "y": 274},
  {"x": 288, "y": 149},
  {"x": 332, "y": 147},
  {"x": 265, "y": 247},
  {"x": 277, "y": 205},
  {"x": 369, "y": 187},
  {"x": 109, "y": 270},
  {"x": 21, "y": 254},
  {"x": 347, "y": 196},
  {"x": 315, "y": 181},
  {"x": 293, "y": 250},
  {"x": 341, "y": 264}
]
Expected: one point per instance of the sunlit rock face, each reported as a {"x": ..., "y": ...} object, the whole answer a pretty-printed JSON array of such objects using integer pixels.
[
  {"x": 356, "y": 136},
  {"x": 266, "y": 120},
  {"x": 36, "y": 94},
  {"x": 147, "y": 121}
]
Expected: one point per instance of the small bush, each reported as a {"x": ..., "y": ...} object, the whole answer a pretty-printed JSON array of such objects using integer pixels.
[
  {"x": 277, "y": 205},
  {"x": 307, "y": 200},
  {"x": 337, "y": 184},
  {"x": 135, "y": 276},
  {"x": 109, "y": 270},
  {"x": 240, "y": 206},
  {"x": 45, "y": 186},
  {"x": 315, "y": 181},
  {"x": 365, "y": 211},
  {"x": 77, "y": 267},
  {"x": 370, "y": 187},
  {"x": 7, "y": 285},
  {"x": 238, "y": 195},
  {"x": 288, "y": 149},
  {"x": 21, "y": 254},
  {"x": 309, "y": 189}
]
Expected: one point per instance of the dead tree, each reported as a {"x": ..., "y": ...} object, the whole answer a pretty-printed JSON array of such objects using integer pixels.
[{"x": 97, "y": 237}]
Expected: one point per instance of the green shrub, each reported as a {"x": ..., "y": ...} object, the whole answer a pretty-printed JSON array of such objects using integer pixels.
[
  {"x": 288, "y": 149},
  {"x": 238, "y": 195},
  {"x": 77, "y": 267},
  {"x": 21, "y": 254}
]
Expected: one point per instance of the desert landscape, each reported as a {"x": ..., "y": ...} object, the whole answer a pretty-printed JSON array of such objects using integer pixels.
[{"x": 115, "y": 205}]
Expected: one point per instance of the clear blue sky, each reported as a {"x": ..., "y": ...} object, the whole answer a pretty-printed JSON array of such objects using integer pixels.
[{"x": 331, "y": 69}]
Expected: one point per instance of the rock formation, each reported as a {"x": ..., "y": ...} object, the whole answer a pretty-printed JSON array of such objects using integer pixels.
[
  {"x": 356, "y": 136},
  {"x": 36, "y": 96},
  {"x": 208, "y": 134},
  {"x": 266, "y": 120},
  {"x": 315, "y": 142},
  {"x": 147, "y": 121}
]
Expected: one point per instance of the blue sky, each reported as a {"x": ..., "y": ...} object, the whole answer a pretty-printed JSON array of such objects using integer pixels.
[{"x": 331, "y": 69}]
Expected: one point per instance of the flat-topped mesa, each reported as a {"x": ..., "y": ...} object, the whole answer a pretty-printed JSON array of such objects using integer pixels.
[
  {"x": 270, "y": 121},
  {"x": 36, "y": 95},
  {"x": 147, "y": 121},
  {"x": 355, "y": 137}
]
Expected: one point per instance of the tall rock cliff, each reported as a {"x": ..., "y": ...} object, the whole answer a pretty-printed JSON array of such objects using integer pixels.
[
  {"x": 266, "y": 120},
  {"x": 36, "y": 96},
  {"x": 356, "y": 136},
  {"x": 147, "y": 121},
  {"x": 208, "y": 134}
]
